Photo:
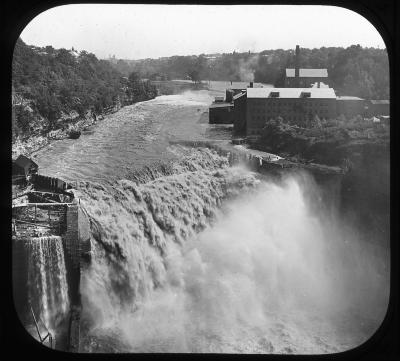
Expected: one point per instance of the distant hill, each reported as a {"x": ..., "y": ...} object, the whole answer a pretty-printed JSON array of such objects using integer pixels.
[{"x": 355, "y": 70}]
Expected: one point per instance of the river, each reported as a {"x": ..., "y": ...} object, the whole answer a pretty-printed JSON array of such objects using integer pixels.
[{"x": 201, "y": 256}]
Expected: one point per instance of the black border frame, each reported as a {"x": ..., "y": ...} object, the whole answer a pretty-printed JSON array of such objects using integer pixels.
[{"x": 383, "y": 345}]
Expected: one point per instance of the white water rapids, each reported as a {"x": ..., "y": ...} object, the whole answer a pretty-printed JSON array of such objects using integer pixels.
[
  {"x": 212, "y": 259},
  {"x": 203, "y": 257}
]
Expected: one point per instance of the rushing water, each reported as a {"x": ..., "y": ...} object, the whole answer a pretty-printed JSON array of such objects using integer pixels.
[
  {"x": 201, "y": 256},
  {"x": 136, "y": 136},
  {"x": 47, "y": 284}
]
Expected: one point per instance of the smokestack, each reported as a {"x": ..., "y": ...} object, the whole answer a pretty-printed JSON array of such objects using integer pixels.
[
  {"x": 251, "y": 84},
  {"x": 297, "y": 65}
]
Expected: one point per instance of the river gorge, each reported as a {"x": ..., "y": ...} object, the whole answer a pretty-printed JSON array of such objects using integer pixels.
[{"x": 193, "y": 254}]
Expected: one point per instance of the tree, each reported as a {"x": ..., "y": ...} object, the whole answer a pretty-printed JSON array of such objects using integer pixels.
[
  {"x": 134, "y": 78},
  {"x": 194, "y": 75}
]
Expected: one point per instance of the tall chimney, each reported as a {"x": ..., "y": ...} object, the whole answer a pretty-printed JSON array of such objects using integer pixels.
[
  {"x": 297, "y": 67},
  {"x": 251, "y": 84}
]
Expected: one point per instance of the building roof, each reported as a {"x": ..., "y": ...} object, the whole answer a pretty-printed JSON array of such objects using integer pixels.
[
  {"x": 238, "y": 95},
  {"x": 348, "y": 97},
  {"x": 221, "y": 105},
  {"x": 244, "y": 85},
  {"x": 321, "y": 93},
  {"x": 380, "y": 102},
  {"x": 321, "y": 85},
  {"x": 24, "y": 162},
  {"x": 308, "y": 73}
]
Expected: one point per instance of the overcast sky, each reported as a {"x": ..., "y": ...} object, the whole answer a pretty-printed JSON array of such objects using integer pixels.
[{"x": 152, "y": 31}]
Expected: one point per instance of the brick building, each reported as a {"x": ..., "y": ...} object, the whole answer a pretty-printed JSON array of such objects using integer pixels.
[
  {"x": 294, "y": 105},
  {"x": 304, "y": 78},
  {"x": 377, "y": 107},
  {"x": 350, "y": 106},
  {"x": 239, "y": 114},
  {"x": 239, "y": 87},
  {"x": 220, "y": 113}
]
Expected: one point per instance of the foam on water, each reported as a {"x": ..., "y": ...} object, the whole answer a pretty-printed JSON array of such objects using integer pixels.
[{"x": 209, "y": 258}]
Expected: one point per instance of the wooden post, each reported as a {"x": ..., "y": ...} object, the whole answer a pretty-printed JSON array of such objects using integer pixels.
[{"x": 36, "y": 325}]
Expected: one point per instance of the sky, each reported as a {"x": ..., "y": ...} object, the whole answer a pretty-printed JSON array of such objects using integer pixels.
[{"x": 153, "y": 31}]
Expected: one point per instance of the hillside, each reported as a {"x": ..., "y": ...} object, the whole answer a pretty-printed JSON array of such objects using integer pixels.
[{"x": 54, "y": 90}]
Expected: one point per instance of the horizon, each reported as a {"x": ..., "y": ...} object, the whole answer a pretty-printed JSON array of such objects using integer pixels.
[
  {"x": 110, "y": 56},
  {"x": 124, "y": 31}
]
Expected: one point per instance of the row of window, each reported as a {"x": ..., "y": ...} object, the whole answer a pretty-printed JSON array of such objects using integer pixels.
[
  {"x": 288, "y": 111},
  {"x": 278, "y": 104},
  {"x": 322, "y": 114}
]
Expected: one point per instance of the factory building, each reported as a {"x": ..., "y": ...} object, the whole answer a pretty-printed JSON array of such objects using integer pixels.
[
  {"x": 377, "y": 107},
  {"x": 239, "y": 87},
  {"x": 239, "y": 114},
  {"x": 350, "y": 106},
  {"x": 220, "y": 111},
  {"x": 305, "y": 78},
  {"x": 294, "y": 105}
]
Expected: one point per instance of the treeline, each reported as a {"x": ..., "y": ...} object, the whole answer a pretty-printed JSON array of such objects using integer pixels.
[
  {"x": 355, "y": 70},
  {"x": 49, "y": 83}
]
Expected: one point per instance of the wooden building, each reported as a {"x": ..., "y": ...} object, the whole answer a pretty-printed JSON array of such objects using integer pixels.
[{"x": 22, "y": 167}]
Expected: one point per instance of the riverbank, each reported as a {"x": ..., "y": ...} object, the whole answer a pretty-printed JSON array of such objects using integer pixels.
[
  {"x": 72, "y": 123},
  {"x": 36, "y": 142}
]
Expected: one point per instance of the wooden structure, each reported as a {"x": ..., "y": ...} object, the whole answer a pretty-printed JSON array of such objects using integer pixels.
[
  {"x": 45, "y": 213},
  {"x": 23, "y": 167}
]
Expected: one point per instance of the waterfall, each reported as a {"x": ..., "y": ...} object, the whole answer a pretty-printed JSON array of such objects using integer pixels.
[
  {"x": 47, "y": 281},
  {"x": 211, "y": 258}
]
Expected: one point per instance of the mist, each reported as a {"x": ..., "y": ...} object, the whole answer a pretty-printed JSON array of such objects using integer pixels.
[
  {"x": 271, "y": 273},
  {"x": 247, "y": 68}
]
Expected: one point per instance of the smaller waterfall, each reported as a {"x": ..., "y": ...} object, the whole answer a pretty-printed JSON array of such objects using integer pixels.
[{"x": 47, "y": 281}]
